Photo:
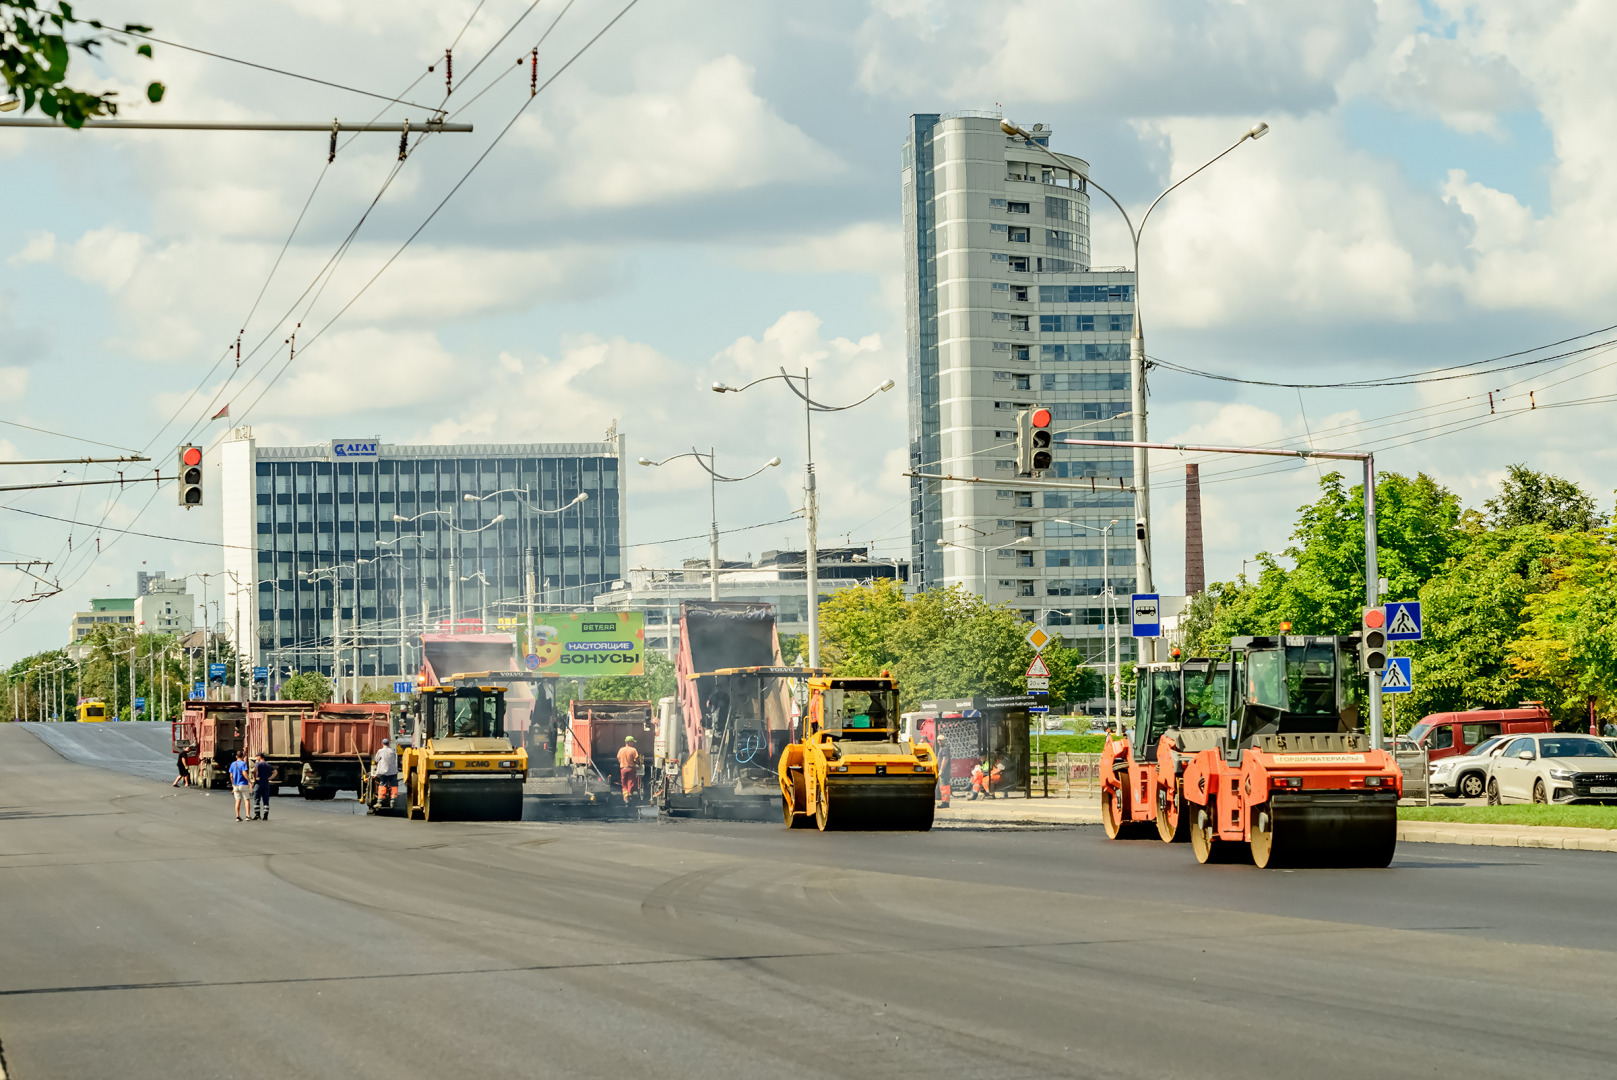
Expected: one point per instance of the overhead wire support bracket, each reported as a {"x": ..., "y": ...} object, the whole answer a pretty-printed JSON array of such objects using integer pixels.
[{"x": 435, "y": 126}]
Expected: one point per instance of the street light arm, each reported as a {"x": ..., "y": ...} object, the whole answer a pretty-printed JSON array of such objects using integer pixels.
[
  {"x": 820, "y": 407},
  {"x": 1257, "y": 132}
]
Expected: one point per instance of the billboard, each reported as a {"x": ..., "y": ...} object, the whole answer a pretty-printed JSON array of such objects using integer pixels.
[
  {"x": 583, "y": 644},
  {"x": 349, "y": 449}
]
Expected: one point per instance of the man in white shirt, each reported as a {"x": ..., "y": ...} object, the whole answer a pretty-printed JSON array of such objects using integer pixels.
[{"x": 385, "y": 776}]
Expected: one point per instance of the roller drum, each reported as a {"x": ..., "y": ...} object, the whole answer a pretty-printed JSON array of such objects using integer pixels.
[
  {"x": 492, "y": 799},
  {"x": 1329, "y": 829},
  {"x": 894, "y": 803}
]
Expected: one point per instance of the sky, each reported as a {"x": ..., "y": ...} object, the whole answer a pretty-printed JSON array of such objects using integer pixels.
[{"x": 710, "y": 191}]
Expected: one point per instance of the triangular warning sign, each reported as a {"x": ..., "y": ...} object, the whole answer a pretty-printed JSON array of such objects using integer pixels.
[
  {"x": 1037, "y": 669},
  {"x": 1402, "y": 622},
  {"x": 1394, "y": 678}
]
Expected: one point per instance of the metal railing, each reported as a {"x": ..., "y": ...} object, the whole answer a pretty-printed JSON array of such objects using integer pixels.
[{"x": 1065, "y": 776}]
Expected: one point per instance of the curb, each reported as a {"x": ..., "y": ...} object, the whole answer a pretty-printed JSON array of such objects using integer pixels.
[{"x": 1433, "y": 832}]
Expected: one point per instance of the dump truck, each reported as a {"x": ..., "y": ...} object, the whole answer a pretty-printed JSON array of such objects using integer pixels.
[
  {"x": 1179, "y": 711},
  {"x": 320, "y": 749},
  {"x": 460, "y": 765},
  {"x": 597, "y": 730},
  {"x": 735, "y": 713},
  {"x": 1292, "y": 781},
  {"x": 214, "y": 731},
  {"x": 851, "y": 768}
]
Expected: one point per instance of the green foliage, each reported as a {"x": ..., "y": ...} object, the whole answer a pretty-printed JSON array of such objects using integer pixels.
[
  {"x": 307, "y": 686},
  {"x": 1527, "y": 497},
  {"x": 36, "y": 44},
  {"x": 1069, "y": 744},
  {"x": 1569, "y": 643},
  {"x": 657, "y": 682},
  {"x": 376, "y": 693},
  {"x": 1572, "y": 817},
  {"x": 792, "y": 646},
  {"x": 946, "y": 643}
]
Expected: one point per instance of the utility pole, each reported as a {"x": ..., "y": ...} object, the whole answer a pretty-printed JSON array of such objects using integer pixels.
[{"x": 533, "y": 557}]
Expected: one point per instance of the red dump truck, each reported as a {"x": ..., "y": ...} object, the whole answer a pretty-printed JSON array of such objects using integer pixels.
[
  {"x": 213, "y": 731},
  {"x": 597, "y": 730},
  {"x": 321, "y": 750}
]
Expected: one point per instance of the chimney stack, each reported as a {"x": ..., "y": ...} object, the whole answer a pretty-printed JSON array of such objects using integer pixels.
[{"x": 1195, "y": 565}]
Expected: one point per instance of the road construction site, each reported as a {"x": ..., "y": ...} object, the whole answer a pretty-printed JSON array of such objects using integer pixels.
[{"x": 149, "y": 934}]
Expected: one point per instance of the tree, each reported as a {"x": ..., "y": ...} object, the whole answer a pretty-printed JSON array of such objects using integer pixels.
[
  {"x": 657, "y": 682},
  {"x": 1527, "y": 497},
  {"x": 307, "y": 686},
  {"x": 1418, "y": 531},
  {"x": 35, "y": 48},
  {"x": 946, "y": 643},
  {"x": 1569, "y": 643}
]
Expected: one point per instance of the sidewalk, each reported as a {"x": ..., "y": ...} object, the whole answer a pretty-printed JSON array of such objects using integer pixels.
[
  {"x": 1527, "y": 836},
  {"x": 1011, "y": 813}
]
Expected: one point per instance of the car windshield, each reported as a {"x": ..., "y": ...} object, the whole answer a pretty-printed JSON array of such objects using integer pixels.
[
  {"x": 469, "y": 714},
  {"x": 1574, "y": 747},
  {"x": 1485, "y": 747},
  {"x": 858, "y": 710},
  {"x": 1301, "y": 680},
  {"x": 1206, "y": 702}
]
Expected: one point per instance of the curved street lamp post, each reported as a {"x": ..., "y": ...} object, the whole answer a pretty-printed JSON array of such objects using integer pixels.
[{"x": 1142, "y": 480}]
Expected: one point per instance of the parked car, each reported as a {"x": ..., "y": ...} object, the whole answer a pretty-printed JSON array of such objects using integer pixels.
[
  {"x": 1466, "y": 775},
  {"x": 1553, "y": 769},
  {"x": 1444, "y": 735}
]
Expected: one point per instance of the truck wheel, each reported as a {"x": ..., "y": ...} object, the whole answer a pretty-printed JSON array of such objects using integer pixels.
[{"x": 1471, "y": 786}]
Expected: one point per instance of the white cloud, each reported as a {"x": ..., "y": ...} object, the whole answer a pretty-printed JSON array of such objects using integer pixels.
[
  {"x": 13, "y": 384},
  {"x": 39, "y": 248},
  {"x": 709, "y": 135}
]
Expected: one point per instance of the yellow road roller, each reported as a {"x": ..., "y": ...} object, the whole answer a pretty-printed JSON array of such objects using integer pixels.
[
  {"x": 459, "y": 765},
  {"x": 850, "y": 769}
]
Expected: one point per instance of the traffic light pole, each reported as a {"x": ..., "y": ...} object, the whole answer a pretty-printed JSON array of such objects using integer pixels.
[{"x": 1372, "y": 581}]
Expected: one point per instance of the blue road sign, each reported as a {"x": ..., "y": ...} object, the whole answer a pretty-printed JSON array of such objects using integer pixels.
[
  {"x": 198, "y": 689},
  {"x": 261, "y": 674},
  {"x": 1147, "y": 614},
  {"x": 403, "y": 687},
  {"x": 216, "y": 671},
  {"x": 1399, "y": 678},
  {"x": 1038, "y": 708},
  {"x": 1403, "y": 620},
  {"x": 196, "y": 695},
  {"x": 140, "y": 703}
]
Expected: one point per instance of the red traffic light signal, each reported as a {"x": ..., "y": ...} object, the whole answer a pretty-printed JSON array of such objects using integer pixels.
[
  {"x": 1041, "y": 418},
  {"x": 190, "y": 492},
  {"x": 1375, "y": 618}
]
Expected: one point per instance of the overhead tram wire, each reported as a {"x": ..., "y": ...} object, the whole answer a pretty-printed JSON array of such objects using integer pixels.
[
  {"x": 445, "y": 200},
  {"x": 1438, "y": 374},
  {"x": 249, "y": 63},
  {"x": 492, "y": 83}
]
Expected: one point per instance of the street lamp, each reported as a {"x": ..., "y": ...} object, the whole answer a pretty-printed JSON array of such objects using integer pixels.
[
  {"x": 982, "y": 551},
  {"x": 715, "y": 478},
  {"x": 811, "y": 510},
  {"x": 534, "y": 571},
  {"x": 1142, "y": 479},
  {"x": 493, "y": 521},
  {"x": 1107, "y": 600}
]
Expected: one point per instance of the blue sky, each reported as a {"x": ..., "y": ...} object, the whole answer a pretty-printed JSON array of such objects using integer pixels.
[{"x": 712, "y": 191}]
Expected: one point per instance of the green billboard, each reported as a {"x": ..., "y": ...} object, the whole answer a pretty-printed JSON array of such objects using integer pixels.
[{"x": 584, "y": 644}]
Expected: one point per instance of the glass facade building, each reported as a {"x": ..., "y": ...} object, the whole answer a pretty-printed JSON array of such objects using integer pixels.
[
  {"x": 313, "y": 531},
  {"x": 1003, "y": 312}
]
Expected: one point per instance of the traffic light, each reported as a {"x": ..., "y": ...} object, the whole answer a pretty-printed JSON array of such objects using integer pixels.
[
  {"x": 1373, "y": 640},
  {"x": 190, "y": 476},
  {"x": 1033, "y": 455}
]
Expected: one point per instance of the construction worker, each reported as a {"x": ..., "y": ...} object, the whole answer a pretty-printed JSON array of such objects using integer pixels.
[
  {"x": 385, "y": 775},
  {"x": 628, "y": 767},
  {"x": 979, "y": 782}
]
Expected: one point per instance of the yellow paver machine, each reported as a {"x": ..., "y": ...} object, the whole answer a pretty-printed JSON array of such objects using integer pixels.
[{"x": 851, "y": 769}]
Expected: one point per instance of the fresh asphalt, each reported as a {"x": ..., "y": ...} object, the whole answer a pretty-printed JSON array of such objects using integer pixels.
[{"x": 149, "y": 935}]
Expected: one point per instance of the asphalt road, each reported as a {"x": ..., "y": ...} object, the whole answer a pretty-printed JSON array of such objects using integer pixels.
[{"x": 147, "y": 934}]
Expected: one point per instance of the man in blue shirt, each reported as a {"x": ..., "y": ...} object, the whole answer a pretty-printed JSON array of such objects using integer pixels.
[
  {"x": 262, "y": 771},
  {"x": 238, "y": 782}
]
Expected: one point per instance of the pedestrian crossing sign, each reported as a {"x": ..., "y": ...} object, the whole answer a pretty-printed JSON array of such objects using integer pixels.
[
  {"x": 1403, "y": 620},
  {"x": 1399, "y": 677}
]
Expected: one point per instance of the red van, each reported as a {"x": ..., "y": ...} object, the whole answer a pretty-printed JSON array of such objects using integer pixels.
[{"x": 1445, "y": 734}]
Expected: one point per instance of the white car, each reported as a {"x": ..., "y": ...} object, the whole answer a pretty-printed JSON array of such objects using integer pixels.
[
  {"x": 1553, "y": 769},
  {"x": 1466, "y": 775}
]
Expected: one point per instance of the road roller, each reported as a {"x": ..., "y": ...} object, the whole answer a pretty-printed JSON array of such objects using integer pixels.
[
  {"x": 1179, "y": 711},
  {"x": 851, "y": 769},
  {"x": 1292, "y": 782},
  {"x": 460, "y": 766}
]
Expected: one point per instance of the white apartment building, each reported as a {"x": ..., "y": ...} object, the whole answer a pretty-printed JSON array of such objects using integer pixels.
[
  {"x": 1004, "y": 311},
  {"x": 165, "y": 607}
]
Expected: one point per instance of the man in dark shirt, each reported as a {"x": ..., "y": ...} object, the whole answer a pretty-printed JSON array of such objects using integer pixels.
[{"x": 261, "y": 788}]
